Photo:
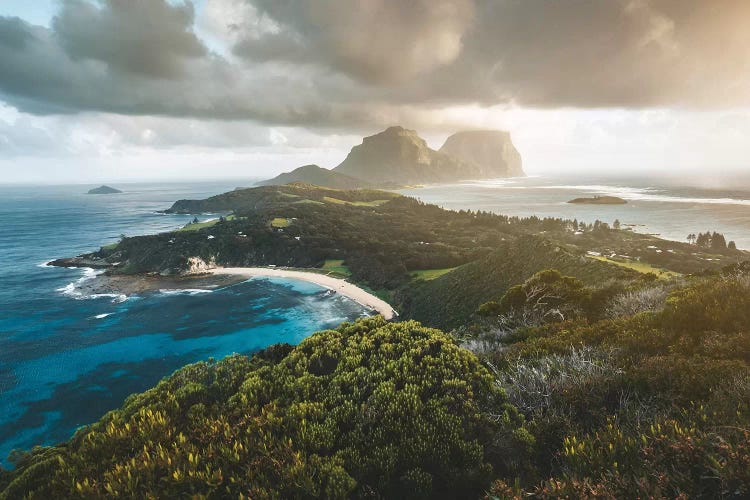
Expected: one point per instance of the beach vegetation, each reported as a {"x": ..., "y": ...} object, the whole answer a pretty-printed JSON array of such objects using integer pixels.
[{"x": 336, "y": 266}]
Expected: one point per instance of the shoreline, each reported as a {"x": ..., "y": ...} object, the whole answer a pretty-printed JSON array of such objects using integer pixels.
[{"x": 338, "y": 285}]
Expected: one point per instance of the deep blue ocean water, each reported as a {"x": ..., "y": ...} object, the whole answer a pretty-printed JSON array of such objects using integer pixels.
[{"x": 67, "y": 359}]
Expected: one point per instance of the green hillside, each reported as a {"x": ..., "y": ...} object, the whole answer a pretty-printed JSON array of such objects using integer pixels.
[
  {"x": 449, "y": 300},
  {"x": 653, "y": 404}
]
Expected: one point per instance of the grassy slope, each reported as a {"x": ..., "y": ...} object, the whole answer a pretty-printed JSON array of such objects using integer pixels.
[
  {"x": 430, "y": 274},
  {"x": 641, "y": 267},
  {"x": 336, "y": 266},
  {"x": 373, "y": 203},
  {"x": 202, "y": 225},
  {"x": 449, "y": 300},
  {"x": 251, "y": 199}
]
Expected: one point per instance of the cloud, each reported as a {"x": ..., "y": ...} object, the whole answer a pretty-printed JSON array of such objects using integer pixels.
[
  {"x": 537, "y": 53},
  {"x": 40, "y": 74},
  {"x": 372, "y": 40},
  {"x": 143, "y": 37},
  {"x": 361, "y": 64}
]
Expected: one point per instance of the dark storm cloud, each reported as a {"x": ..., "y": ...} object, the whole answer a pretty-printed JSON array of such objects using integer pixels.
[
  {"x": 583, "y": 53},
  {"x": 593, "y": 53},
  {"x": 375, "y": 41},
  {"x": 48, "y": 71},
  {"x": 353, "y": 62},
  {"x": 146, "y": 37}
]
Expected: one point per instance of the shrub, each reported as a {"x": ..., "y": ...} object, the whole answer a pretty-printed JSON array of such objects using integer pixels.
[
  {"x": 637, "y": 301},
  {"x": 371, "y": 409}
]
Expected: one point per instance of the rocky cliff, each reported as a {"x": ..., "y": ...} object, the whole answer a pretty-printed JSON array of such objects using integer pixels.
[
  {"x": 491, "y": 153},
  {"x": 399, "y": 156}
]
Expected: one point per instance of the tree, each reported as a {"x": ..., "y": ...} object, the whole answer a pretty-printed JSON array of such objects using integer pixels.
[
  {"x": 718, "y": 242},
  {"x": 732, "y": 245},
  {"x": 616, "y": 224},
  {"x": 703, "y": 239},
  {"x": 546, "y": 296}
]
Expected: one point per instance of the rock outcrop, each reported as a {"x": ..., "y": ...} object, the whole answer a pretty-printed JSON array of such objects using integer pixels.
[
  {"x": 491, "y": 153},
  {"x": 399, "y": 156}
]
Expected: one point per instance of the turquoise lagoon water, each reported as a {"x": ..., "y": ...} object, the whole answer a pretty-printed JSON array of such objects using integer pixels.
[{"x": 66, "y": 359}]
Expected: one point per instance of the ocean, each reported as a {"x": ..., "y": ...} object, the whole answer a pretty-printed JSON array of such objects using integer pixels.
[
  {"x": 66, "y": 358},
  {"x": 669, "y": 211}
]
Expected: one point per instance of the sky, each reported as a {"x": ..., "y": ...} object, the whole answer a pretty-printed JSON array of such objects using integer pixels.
[{"x": 126, "y": 90}]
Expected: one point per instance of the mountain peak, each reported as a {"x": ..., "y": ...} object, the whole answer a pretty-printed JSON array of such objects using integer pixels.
[
  {"x": 396, "y": 133},
  {"x": 395, "y": 155},
  {"x": 490, "y": 152}
]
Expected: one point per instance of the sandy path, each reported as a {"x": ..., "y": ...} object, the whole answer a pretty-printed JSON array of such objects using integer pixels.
[{"x": 338, "y": 285}]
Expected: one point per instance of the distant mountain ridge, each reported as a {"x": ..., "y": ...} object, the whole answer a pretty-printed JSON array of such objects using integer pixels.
[
  {"x": 313, "y": 174},
  {"x": 398, "y": 156}
]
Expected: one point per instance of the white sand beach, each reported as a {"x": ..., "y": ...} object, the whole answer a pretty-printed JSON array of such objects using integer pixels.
[{"x": 336, "y": 284}]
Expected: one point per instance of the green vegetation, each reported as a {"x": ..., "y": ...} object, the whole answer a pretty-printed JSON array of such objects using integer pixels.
[
  {"x": 599, "y": 200},
  {"x": 430, "y": 274},
  {"x": 386, "y": 238},
  {"x": 370, "y": 409},
  {"x": 400, "y": 247},
  {"x": 196, "y": 226},
  {"x": 373, "y": 203},
  {"x": 579, "y": 377},
  {"x": 311, "y": 202},
  {"x": 337, "y": 267},
  {"x": 110, "y": 247},
  {"x": 651, "y": 405},
  {"x": 449, "y": 301},
  {"x": 314, "y": 174},
  {"x": 280, "y": 222},
  {"x": 639, "y": 266}
]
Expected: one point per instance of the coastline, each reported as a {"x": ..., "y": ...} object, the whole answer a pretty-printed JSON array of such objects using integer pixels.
[{"x": 338, "y": 285}]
